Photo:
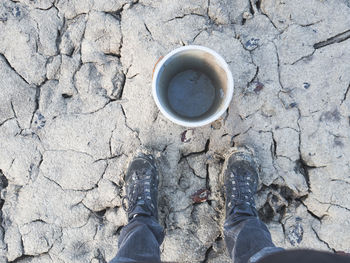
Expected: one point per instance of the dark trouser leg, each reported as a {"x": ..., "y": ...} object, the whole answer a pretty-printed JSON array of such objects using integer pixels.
[
  {"x": 140, "y": 240},
  {"x": 247, "y": 237}
]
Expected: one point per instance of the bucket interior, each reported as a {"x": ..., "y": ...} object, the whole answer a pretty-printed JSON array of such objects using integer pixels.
[{"x": 208, "y": 69}]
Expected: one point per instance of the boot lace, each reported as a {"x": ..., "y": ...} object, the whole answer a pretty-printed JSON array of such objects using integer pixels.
[
  {"x": 241, "y": 189},
  {"x": 140, "y": 191}
]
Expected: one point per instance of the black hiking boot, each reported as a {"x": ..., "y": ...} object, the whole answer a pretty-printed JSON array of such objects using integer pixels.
[
  {"x": 141, "y": 187},
  {"x": 240, "y": 176}
]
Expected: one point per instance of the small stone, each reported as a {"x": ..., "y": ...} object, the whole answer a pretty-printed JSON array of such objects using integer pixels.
[
  {"x": 187, "y": 135},
  {"x": 252, "y": 43},
  {"x": 293, "y": 105},
  {"x": 200, "y": 196},
  {"x": 247, "y": 15},
  {"x": 259, "y": 86},
  {"x": 306, "y": 85},
  {"x": 66, "y": 95}
]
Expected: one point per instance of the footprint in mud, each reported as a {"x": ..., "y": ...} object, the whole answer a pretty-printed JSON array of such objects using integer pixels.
[
  {"x": 39, "y": 120},
  {"x": 16, "y": 11},
  {"x": 296, "y": 232}
]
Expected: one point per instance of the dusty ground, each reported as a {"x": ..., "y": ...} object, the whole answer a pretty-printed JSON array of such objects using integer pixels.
[{"x": 75, "y": 104}]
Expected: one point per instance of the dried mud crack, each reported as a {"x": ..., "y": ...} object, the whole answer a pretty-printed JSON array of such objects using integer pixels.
[{"x": 76, "y": 104}]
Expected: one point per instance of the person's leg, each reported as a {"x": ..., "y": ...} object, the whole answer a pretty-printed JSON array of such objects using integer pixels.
[
  {"x": 247, "y": 237},
  {"x": 140, "y": 239}
]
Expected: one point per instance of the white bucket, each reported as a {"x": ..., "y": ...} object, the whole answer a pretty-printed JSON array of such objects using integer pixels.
[{"x": 192, "y": 86}]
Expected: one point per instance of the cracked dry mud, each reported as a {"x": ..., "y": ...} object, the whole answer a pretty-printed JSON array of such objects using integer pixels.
[{"x": 75, "y": 104}]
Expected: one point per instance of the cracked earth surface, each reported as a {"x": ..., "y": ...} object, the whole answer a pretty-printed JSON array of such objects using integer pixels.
[{"x": 75, "y": 105}]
